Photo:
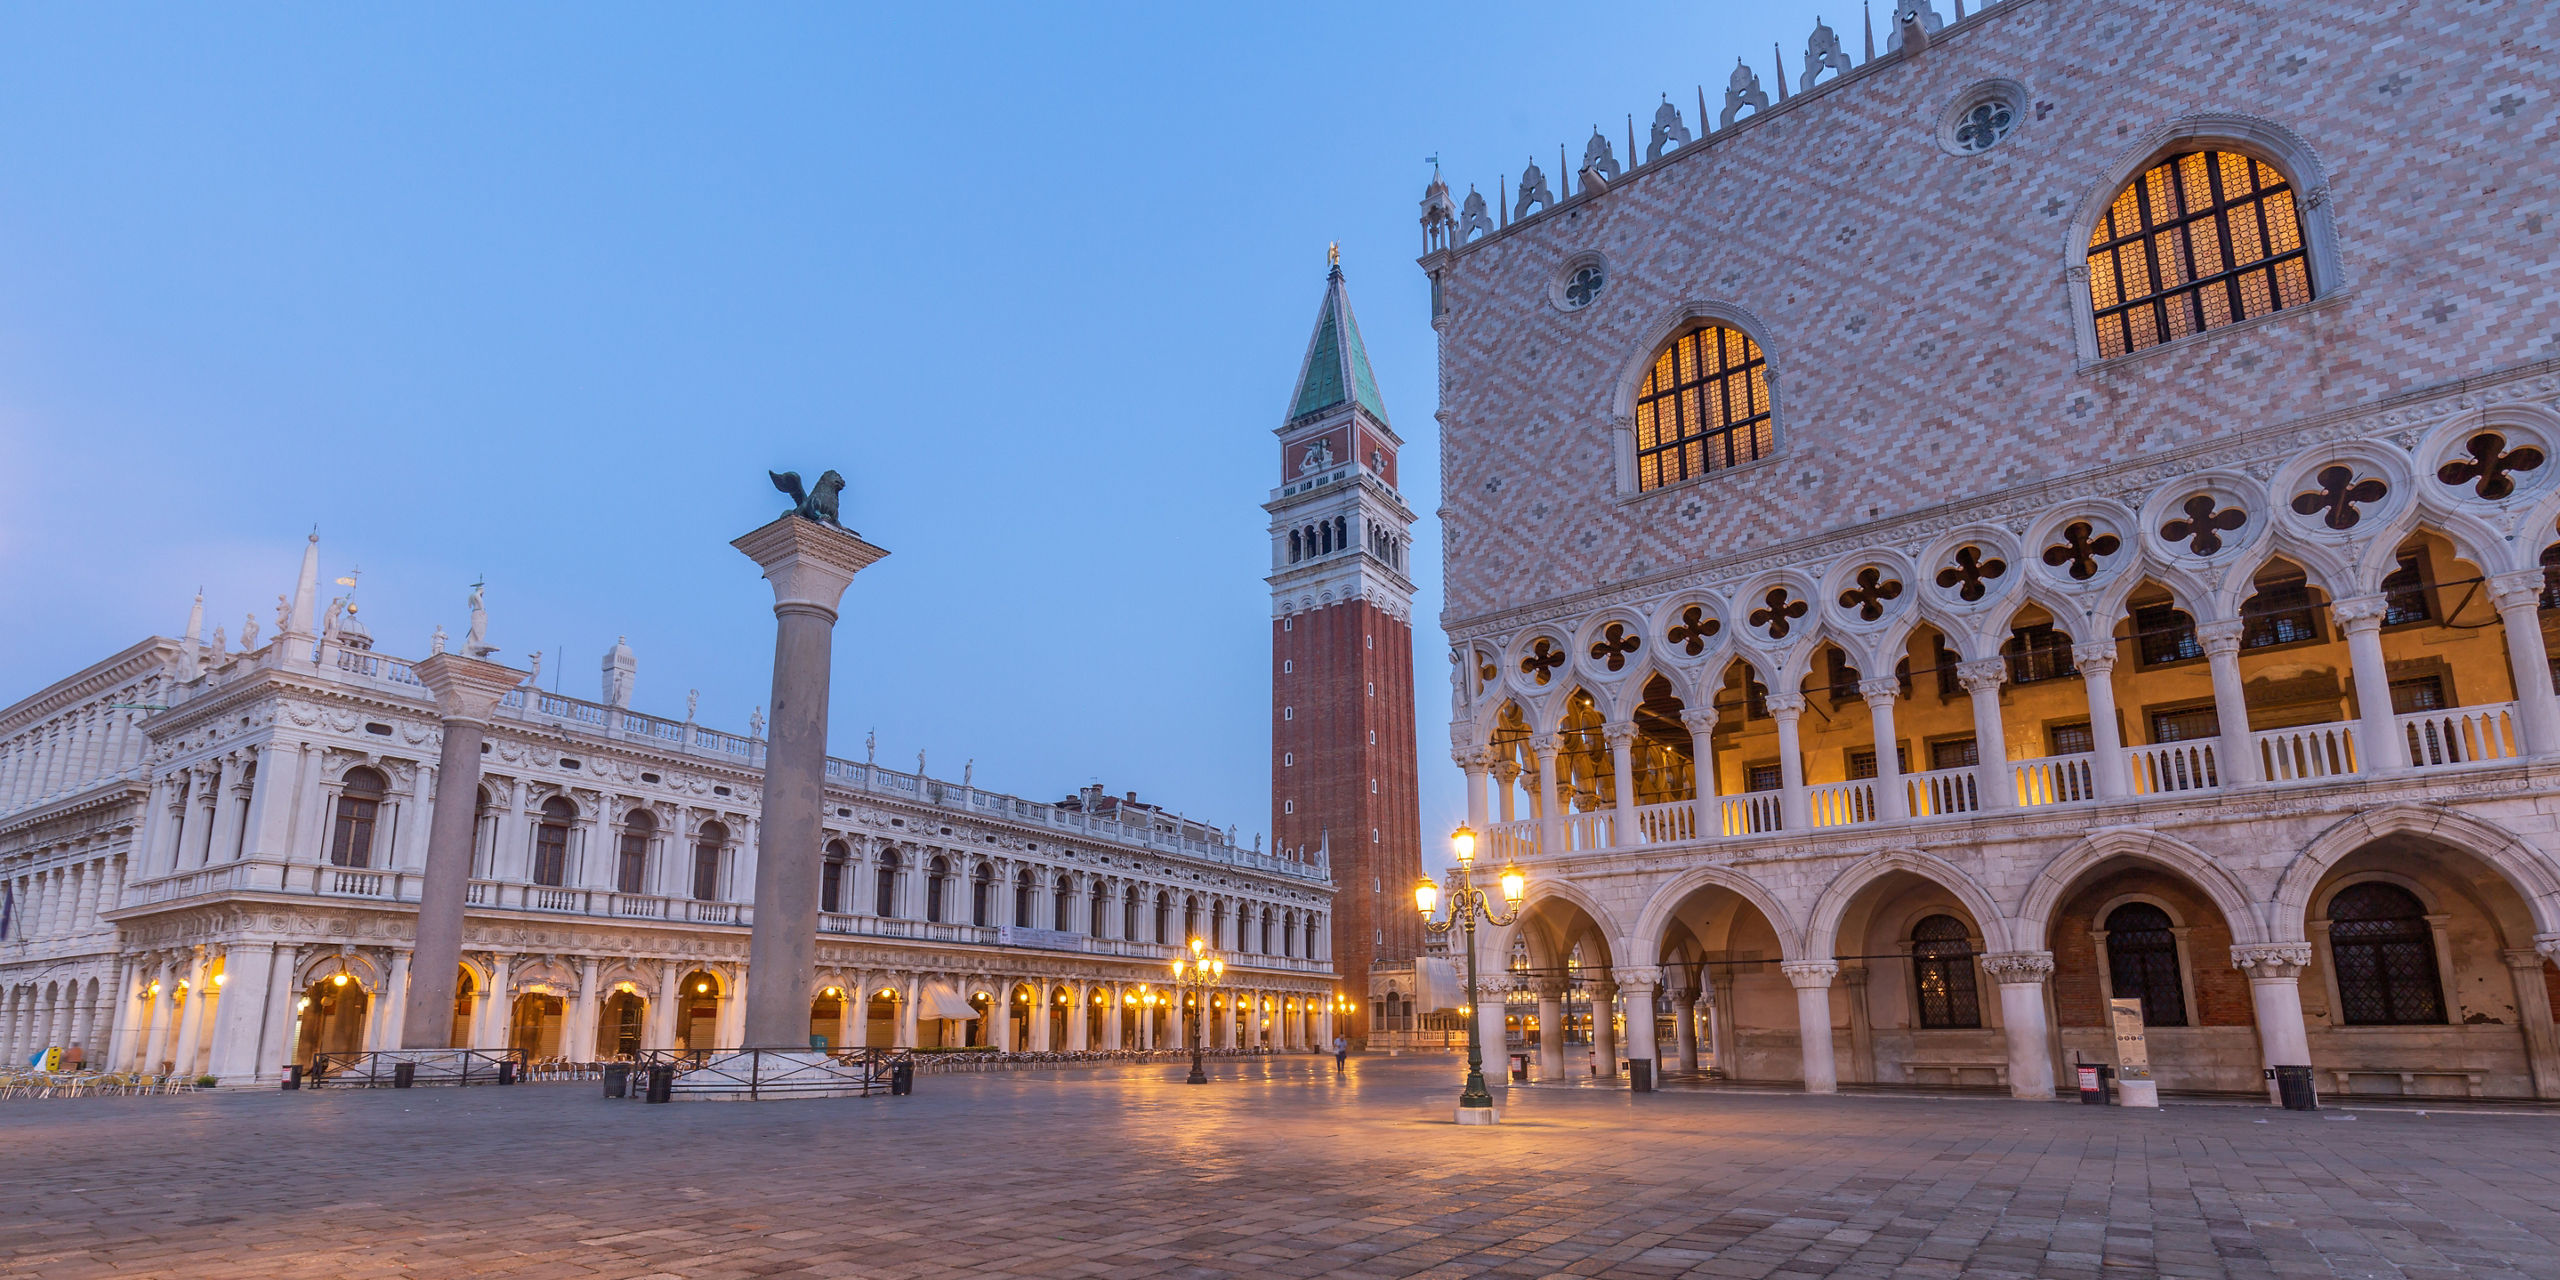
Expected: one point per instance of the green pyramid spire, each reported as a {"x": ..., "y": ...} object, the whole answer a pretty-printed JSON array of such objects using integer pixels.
[{"x": 1337, "y": 365}]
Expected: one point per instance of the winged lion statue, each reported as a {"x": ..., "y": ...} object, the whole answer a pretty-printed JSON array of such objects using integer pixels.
[{"x": 817, "y": 503}]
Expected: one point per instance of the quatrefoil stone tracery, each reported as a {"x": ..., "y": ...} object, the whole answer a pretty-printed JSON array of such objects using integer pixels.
[
  {"x": 1542, "y": 660},
  {"x": 1615, "y": 645},
  {"x": 1777, "y": 613},
  {"x": 2338, "y": 496},
  {"x": 1695, "y": 628},
  {"x": 2491, "y": 463},
  {"x": 1972, "y": 569},
  {"x": 2081, "y": 548},
  {"x": 1868, "y": 596},
  {"x": 2203, "y": 526}
]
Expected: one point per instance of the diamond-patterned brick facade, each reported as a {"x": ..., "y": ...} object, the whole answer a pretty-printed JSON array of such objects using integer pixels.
[{"x": 1918, "y": 308}]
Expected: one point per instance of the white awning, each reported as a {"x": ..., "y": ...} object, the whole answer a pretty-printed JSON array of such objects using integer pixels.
[
  {"x": 938, "y": 999},
  {"x": 1436, "y": 985}
]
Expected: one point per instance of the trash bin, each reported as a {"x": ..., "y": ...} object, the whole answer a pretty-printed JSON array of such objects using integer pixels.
[
  {"x": 902, "y": 1079},
  {"x": 2097, "y": 1081},
  {"x": 293, "y": 1075},
  {"x": 617, "y": 1079},
  {"x": 506, "y": 1071},
  {"x": 662, "y": 1082},
  {"x": 1640, "y": 1075},
  {"x": 2293, "y": 1085},
  {"x": 404, "y": 1075},
  {"x": 1520, "y": 1067}
]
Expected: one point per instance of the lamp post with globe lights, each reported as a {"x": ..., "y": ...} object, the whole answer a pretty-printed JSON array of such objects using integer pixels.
[
  {"x": 1197, "y": 972},
  {"x": 1467, "y": 903}
]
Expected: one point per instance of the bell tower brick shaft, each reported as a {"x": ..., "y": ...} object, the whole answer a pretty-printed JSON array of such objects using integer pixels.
[
  {"x": 1342, "y": 711},
  {"x": 809, "y": 565}
]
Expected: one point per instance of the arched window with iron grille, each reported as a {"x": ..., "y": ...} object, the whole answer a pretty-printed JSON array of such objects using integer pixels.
[
  {"x": 2385, "y": 953},
  {"x": 2142, "y": 963},
  {"x": 2195, "y": 242},
  {"x": 1942, "y": 959},
  {"x": 1704, "y": 407}
]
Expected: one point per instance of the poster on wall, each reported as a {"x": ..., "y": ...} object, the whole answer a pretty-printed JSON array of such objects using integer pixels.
[{"x": 2134, "y": 1086}]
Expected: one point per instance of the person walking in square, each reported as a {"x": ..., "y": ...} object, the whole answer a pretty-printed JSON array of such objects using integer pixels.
[{"x": 1341, "y": 1053}]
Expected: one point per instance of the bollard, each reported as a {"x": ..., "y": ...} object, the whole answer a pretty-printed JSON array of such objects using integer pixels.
[{"x": 662, "y": 1082}]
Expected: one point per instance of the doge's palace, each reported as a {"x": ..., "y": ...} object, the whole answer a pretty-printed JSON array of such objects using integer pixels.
[
  {"x": 2058, "y": 509},
  {"x": 210, "y": 855}
]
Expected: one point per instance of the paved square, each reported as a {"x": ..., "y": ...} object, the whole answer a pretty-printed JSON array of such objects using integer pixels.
[{"x": 1277, "y": 1169}]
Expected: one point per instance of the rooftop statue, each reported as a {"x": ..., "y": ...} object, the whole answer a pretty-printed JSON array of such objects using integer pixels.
[
  {"x": 475, "y": 641},
  {"x": 817, "y": 504}
]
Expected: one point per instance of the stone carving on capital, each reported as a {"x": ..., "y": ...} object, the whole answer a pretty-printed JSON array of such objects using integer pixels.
[
  {"x": 2221, "y": 636},
  {"x": 2271, "y": 960},
  {"x": 1807, "y": 974},
  {"x": 2360, "y": 613},
  {"x": 2095, "y": 657},
  {"x": 2518, "y": 590},
  {"x": 2012, "y": 967},
  {"x": 1880, "y": 689},
  {"x": 1979, "y": 674}
]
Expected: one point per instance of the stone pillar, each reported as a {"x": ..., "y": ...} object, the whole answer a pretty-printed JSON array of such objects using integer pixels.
[
  {"x": 2096, "y": 661},
  {"x": 809, "y": 564},
  {"x": 661, "y": 1033},
  {"x": 1506, "y": 772},
  {"x": 276, "y": 1041},
  {"x": 2275, "y": 991},
  {"x": 1862, "y": 1030},
  {"x": 248, "y": 969},
  {"x": 1112, "y": 1028},
  {"x": 907, "y": 1035},
  {"x": 467, "y": 692},
  {"x": 1477, "y": 765},
  {"x": 1701, "y": 724},
  {"x": 1550, "y": 1032},
  {"x": 502, "y": 1005},
  {"x": 1604, "y": 1028},
  {"x": 586, "y": 1010},
  {"x": 1724, "y": 1036},
  {"x": 1551, "y": 837},
  {"x": 2518, "y": 598},
  {"x": 2022, "y": 975},
  {"x": 191, "y": 1017},
  {"x": 1785, "y": 708},
  {"x": 1637, "y": 995},
  {"x": 1892, "y": 803},
  {"x": 1981, "y": 678},
  {"x": 1624, "y": 830},
  {"x": 2533, "y": 1011},
  {"x": 2236, "y": 753},
  {"x": 1684, "y": 1031},
  {"x": 393, "y": 1009},
  {"x": 1813, "y": 1021},
  {"x": 2378, "y": 746}
]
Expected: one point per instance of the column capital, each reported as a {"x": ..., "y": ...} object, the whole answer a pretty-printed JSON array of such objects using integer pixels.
[
  {"x": 1810, "y": 974},
  {"x": 1701, "y": 721},
  {"x": 2271, "y": 960},
  {"x": 2013, "y": 967},
  {"x": 1978, "y": 674},
  {"x": 1879, "y": 689},
  {"x": 1618, "y": 733},
  {"x": 2097, "y": 656},
  {"x": 2221, "y": 637},
  {"x": 2522, "y": 959},
  {"x": 467, "y": 690},
  {"x": 2548, "y": 944},
  {"x": 2359, "y": 614},
  {"x": 808, "y": 563},
  {"x": 2521, "y": 589},
  {"x": 1506, "y": 769},
  {"x": 1784, "y": 706},
  {"x": 1643, "y": 985}
]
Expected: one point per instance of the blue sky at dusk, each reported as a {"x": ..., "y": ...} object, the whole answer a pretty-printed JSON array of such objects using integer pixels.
[{"x": 540, "y": 294}]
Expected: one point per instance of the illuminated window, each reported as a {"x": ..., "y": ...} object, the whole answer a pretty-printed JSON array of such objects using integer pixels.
[
  {"x": 1705, "y": 407},
  {"x": 1942, "y": 960},
  {"x": 2198, "y": 241}
]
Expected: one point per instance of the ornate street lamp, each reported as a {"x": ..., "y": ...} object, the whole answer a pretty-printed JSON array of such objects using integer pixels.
[
  {"x": 1467, "y": 902},
  {"x": 1198, "y": 972}
]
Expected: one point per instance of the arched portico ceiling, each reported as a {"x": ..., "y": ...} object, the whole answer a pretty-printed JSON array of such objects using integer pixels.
[
  {"x": 1661, "y": 912},
  {"x": 1821, "y": 934},
  {"x": 1554, "y": 916},
  {"x": 2521, "y": 867},
  {"x": 2067, "y": 868}
]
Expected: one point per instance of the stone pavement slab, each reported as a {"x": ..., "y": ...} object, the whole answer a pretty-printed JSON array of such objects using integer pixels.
[{"x": 1279, "y": 1168}]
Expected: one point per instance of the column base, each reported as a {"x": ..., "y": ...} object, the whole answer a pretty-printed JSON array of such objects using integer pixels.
[
  {"x": 1479, "y": 1115},
  {"x": 2138, "y": 1093}
]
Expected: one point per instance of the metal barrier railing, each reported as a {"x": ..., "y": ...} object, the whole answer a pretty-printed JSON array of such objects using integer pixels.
[
  {"x": 380, "y": 1068},
  {"x": 763, "y": 1073}
]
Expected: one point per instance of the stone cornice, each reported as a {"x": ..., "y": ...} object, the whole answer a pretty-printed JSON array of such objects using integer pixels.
[{"x": 136, "y": 660}]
